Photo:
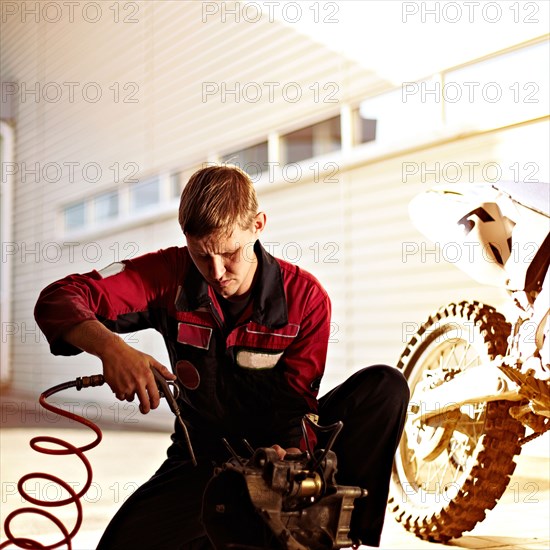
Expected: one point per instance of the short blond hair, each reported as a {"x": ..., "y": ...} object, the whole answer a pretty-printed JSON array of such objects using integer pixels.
[{"x": 215, "y": 200}]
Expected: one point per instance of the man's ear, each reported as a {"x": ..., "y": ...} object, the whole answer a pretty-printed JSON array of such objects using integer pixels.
[{"x": 259, "y": 223}]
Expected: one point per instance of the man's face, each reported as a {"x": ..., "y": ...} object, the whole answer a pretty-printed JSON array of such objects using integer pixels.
[{"x": 228, "y": 264}]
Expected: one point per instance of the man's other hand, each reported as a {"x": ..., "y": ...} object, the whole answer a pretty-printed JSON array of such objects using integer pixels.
[{"x": 282, "y": 452}]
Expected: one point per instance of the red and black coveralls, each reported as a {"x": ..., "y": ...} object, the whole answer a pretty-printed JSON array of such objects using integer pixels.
[{"x": 257, "y": 379}]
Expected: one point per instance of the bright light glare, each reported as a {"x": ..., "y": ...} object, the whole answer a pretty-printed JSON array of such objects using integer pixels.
[{"x": 402, "y": 41}]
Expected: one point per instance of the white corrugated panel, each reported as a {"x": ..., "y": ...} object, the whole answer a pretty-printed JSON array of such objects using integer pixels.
[
  {"x": 349, "y": 233},
  {"x": 158, "y": 119},
  {"x": 379, "y": 292},
  {"x": 393, "y": 290}
]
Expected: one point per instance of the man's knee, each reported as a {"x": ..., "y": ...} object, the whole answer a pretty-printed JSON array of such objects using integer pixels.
[
  {"x": 385, "y": 378},
  {"x": 377, "y": 390}
]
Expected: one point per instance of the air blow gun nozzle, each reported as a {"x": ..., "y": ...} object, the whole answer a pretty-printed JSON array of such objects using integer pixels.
[{"x": 171, "y": 398}]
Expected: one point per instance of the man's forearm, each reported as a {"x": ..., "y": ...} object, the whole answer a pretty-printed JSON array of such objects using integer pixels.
[{"x": 94, "y": 338}]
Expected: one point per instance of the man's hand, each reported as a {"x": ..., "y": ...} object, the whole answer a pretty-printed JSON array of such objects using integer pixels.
[
  {"x": 128, "y": 373},
  {"x": 126, "y": 370},
  {"x": 282, "y": 452}
]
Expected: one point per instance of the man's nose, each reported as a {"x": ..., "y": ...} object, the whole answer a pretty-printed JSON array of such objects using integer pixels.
[{"x": 217, "y": 269}]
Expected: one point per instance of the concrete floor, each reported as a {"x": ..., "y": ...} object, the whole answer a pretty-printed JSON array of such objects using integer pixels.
[{"x": 126, "y": 458}]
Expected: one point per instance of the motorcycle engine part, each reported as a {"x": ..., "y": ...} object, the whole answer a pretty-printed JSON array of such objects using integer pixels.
[
  {"x": 450, "y": 469},
  {"x": 283, "y": 504}
]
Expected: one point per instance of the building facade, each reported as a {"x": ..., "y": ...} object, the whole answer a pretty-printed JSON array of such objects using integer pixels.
[{"x": 107, "y": 113}]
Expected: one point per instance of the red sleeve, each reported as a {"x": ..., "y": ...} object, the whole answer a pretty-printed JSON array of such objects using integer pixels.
[
  {"x": 119, "y": 296},
  {"x": 305, "y": 358}
]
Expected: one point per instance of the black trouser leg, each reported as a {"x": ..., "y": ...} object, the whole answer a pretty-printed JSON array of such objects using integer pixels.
[
  {"x": 372, "y": 404},
  {"x": 164, "y": 513}
]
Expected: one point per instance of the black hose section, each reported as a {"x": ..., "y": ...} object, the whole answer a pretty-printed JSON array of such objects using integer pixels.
[{"x": 335, "y": 428}]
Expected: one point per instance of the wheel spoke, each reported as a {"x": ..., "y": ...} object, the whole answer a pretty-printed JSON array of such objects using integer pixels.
[
  {"x": 473, "y": 361},
  {"x": 451, "y": 353},
  {"x": 466, "y": 348},
  {"x": 447, "y": 464}
]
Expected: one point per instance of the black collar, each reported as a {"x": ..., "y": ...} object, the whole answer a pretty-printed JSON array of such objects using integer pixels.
[{"x": 270, "y": 307}]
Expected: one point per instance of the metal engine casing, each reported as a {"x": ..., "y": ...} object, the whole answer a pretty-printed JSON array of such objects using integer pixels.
[{"x": 268, "y": 503}]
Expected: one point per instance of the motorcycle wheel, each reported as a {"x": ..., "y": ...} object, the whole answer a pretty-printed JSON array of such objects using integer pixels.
[{"x": 448, "y": 471}]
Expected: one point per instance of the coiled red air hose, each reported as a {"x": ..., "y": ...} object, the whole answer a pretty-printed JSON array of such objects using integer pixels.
[{"x": 66, "y": 448}]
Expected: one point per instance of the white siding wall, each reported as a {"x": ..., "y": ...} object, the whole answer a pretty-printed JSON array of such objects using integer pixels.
[
  {"x": 348, "y": 232},
  {"x": 378, "y": 292},
  {"x": 161, "y": 62}
]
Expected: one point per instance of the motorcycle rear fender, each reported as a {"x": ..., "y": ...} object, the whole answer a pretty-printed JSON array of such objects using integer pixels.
[
  {"x": 468, "y": 223},
  {"x": 483, "y": 231}
]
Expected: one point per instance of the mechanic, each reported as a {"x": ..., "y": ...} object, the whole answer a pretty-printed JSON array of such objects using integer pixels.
[{"x": 247, "y": 334}]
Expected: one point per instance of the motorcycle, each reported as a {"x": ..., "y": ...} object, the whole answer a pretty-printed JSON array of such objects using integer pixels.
[{"x": 478, "y": 380}]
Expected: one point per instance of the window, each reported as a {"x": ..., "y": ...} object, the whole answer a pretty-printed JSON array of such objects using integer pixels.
[
  {"x": 106, "y": 206},
  {"x": 364, "y": 128},
  {"x": 75, "y": 216},
  {"x": 175, "y": 185},
  {"x": 253, "y": 159},
  {"x": 500, "y": 90},
  {"x": 144, "y": 194},
  {"x": 6, "y": 235},
  {"x": 398, "y": 115},
  {"x": 312, "y": 141}
]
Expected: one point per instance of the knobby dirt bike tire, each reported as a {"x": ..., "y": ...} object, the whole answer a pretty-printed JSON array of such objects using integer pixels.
[{"x": 491, "y": 461}]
